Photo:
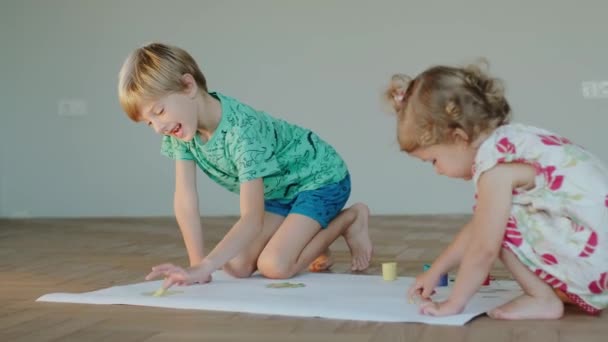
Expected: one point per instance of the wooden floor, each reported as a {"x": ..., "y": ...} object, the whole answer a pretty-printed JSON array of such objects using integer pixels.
[{"x": 42, "y": 256}]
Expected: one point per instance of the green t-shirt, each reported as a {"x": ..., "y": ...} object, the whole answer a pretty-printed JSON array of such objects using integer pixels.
[{"x": 250, "y": 144}]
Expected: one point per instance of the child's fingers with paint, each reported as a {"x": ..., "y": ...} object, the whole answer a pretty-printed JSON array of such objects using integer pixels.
[
  {"x": 179, "y": 277},
  {"x": 418, "y": 290},
  {"x": 424, "y": 286},
  {"x": 160, "y": 270},
  {"x": 173, "y": 275}
]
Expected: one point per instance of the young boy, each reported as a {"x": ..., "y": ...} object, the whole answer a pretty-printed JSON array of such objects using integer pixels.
[{"x": 292, "y": 184}]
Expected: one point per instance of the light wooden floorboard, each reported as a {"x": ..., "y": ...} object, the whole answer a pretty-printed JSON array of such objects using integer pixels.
[{"x": 65, "y": 255}]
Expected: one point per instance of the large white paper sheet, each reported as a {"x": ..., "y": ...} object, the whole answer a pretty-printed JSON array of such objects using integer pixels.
[{"x": 325, "y": 295}]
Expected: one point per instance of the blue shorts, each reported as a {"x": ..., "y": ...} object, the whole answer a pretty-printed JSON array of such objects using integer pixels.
[{"x": 322, "y": 204}]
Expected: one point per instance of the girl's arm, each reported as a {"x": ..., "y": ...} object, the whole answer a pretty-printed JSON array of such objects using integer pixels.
[
  {"x": 424, "y": 285},
  {"x": 452, "y": 255},
  {"x": 486, "y": 233}
]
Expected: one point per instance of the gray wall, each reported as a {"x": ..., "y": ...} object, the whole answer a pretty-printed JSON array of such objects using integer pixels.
[{"x": 321, "y": 64}]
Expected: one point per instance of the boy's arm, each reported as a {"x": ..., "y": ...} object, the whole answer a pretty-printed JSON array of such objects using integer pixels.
[
  {"x": 242, "y": 233},
  {"x": 244, "y": 230},
  {"x": 185, "y": 205}
]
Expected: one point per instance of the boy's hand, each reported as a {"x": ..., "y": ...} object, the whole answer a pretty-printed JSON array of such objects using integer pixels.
[
  {"x": 175, "y": 275},
  {"x": 424, "y": 286}
]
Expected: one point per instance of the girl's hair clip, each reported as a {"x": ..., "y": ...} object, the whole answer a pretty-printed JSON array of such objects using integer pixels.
[{"x": 399, "y": 96}]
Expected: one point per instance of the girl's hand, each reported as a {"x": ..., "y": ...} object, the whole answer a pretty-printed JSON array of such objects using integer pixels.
[
  {"x": 445, "y": 308},
  {"x": 175, "y": 275},
  {"x": 424, "y": 286}
]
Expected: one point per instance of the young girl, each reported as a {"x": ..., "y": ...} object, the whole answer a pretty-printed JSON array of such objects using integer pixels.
[
  {"x": 541, "y": 200},
  {"x": 292, "y": 184}
]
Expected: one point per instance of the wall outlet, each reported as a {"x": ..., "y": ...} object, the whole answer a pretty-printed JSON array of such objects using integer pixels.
[{"x": 72, "y": 107}]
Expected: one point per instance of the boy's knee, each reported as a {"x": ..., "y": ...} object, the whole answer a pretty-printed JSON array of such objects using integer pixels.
[
  {"x": 273, "y": 267},
  {"x": 239, "y": 268}
]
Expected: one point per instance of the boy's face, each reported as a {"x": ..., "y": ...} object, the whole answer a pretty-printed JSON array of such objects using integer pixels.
[{"x": 174, "y": 114}]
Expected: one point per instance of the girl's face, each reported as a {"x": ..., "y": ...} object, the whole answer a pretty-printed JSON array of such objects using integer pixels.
[{"x": 452, "y": 160}]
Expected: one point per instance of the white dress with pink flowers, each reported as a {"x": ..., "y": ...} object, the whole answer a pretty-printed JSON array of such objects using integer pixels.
[{"x": 558, "y": 229}]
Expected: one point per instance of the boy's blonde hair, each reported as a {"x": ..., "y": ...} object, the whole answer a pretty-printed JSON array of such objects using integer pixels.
[
  {"x": 153, "y": 71},
  {"x": 443, "y": 98}
]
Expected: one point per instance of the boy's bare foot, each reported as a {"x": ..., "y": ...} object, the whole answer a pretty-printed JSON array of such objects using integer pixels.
[
  {"x": 357, "y": 238},
  {"x": 528, "y": 307},
  {"x": 322, "y": 263}
]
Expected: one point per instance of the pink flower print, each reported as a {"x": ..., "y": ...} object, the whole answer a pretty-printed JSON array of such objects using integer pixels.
[
  {"x": 606, "y": 201},
  {"x": 577, "y": 227},
  {"x": 512, "y": 222},
  {"x": 513, "y": 235},
  {"x": 553, "y": 140},
  {"x": 600, "y": 285},
  {"x": 549, "y": 259},
  {"x": 551, "y": 280},
  {"x": 590, "y": 246},
  {"x": 505, "y": 146},
  {"x": 554, "y": 182}
]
